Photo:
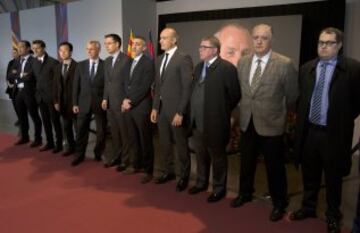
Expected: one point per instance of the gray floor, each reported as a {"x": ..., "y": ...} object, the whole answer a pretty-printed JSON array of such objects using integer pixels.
[{"x": 350, "y": 184}]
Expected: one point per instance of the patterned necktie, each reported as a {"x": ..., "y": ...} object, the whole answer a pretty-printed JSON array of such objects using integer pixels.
[
  {"x": 317, "y": 96},
  {"x": 92, "y": 71},
  {"x": 204, "y": 72},
  {"x": 256, "y": 77},
  {"x": 132, "y": 67},
  {"x": 164, "y": 66}
]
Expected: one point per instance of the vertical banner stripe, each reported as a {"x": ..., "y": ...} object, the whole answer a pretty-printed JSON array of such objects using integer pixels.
[
  {"x": 15, "y": 28},
  {"x": 61, "y": 22}
]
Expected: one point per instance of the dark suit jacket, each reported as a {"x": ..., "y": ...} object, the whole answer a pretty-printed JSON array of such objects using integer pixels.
[
  {"x": 63, "y": 93},
  {"x": 45, "y": 79},
  {"x": 344, "y": 107},
  {"x": 221, "y": 95},
  {"x": 88, "y": 94},
  {"x": 11, "y": 67},
  {"x": 114, "y": 77},
  {"x": 137, "y": 88},
  {"x": 175, "y": 88},
  {"x": 29, "y": 79}
]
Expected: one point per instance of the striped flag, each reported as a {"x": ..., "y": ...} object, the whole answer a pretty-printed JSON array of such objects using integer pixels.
[
  {"x": 150, "y": 47},
  {"x": 15, "y": 28},
  {"x": 130, "y": 43}
]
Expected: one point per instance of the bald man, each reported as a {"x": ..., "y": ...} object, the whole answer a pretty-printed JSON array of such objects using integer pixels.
[
  {"x": 268, "y": 83},
  {"x": 235, "y": 42},
  {"x": 173, "y": 80}
]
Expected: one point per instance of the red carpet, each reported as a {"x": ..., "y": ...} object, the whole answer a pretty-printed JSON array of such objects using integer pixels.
[{"x": 41, "y": 193}]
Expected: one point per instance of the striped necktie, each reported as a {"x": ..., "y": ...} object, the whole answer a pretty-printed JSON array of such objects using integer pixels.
[
  {"x": 317, "y": 96},
  {"x": 256, "y": 77}
]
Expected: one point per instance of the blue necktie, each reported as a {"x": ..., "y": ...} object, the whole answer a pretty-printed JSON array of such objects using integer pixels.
[
  {"x": 317, "y": 96},
  {"x": 204, "y": 72}
]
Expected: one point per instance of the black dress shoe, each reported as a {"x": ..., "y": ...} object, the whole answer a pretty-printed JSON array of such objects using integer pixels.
[
  {"x": 35, "y": 143},
  {"x": 196, "y": 189},
  {"x": 302, "y": 213},
  {"x": 146, "y": 178},
  {"x": 239, "y": 201},
  {"x": 57, "y": 149},
  {"x": 182, "y": 184},
  {"x": 277, "y": 214},
  {"x": 68, "y": 152},
  {"x": 164, "y": 178},
  {"x": 97, "y": 157},
  {"x": 47, "y": 147},
  {"x": 112, "y": 163},
  {"x": 333, "y": 226},
  {"x": 121, "y": 168},
  {"x": 22, "y": 141},
  {"x": 216, "y": 196},
  {"x": 77, "y": 161}
]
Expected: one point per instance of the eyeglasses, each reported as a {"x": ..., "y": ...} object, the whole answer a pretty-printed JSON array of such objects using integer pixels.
[
  {"x": 206, "y": 47},
  {"x": 326, "y": 43}
]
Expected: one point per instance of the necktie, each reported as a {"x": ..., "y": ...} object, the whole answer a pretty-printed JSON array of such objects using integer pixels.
[
  {"x": 112, "y": 61},
  {"x": 65, "y": 70},
  {"x": 164, "y": 66},
  {"x": 204, "y": 72},
  {"x": 256, "y": 77},
  {"x": 92, "y": 71},
  {"x": 132, "y": 67},
  {"x": 22, "y": 61},
  {"x": 317, "y": 96}
]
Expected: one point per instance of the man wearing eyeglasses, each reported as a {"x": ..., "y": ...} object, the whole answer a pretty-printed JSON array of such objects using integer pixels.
[
  {"x": 216, "y": 92},
  {"x": 328, "y": 104},
  {"x": 268, "y": 83}
]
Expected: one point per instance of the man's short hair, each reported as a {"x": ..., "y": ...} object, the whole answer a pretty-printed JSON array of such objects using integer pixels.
[
  {"x": 339, "y": 36},
  {"x": 140, "y": 38},
  {"x": 96, "y": 43},
  {"x": 115, "y": 37},
  {"x": 68, "y": 44},
  {"x": 213, "y": 41},
  {"x": 26, "y": 43},
  {"x": 39, "y": 42}
]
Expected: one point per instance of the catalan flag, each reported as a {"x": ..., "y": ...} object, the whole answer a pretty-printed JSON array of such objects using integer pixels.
[
  {"x": 15, "y": 28},
  {"x": 131, "y": 41}
]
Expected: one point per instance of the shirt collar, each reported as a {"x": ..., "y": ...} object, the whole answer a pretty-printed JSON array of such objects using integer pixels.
[
  {"x": 67, "y": 61},
  {"x": 116, "y": 54},
  {"x": 138, "y": 57},
  {"x": 211, "y": 61},
  {"x": 171, "y": 51},
  {"x": 264, "y": 58},
  {"x": 331, "y": 62},
  {"x": 92, "y": 60}
]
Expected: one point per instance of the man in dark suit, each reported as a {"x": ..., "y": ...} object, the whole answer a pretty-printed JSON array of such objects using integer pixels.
[
  {"x": 136, "y": 107},
  {"x": 87, "y": 96},
  {"x": 171, "y": 107},
  {"x": 328, "y": 104},
  {"x": 117, "y": 67},
  {"x": 268, "y": 83},
  {"x": 24, "y": 78},
  {"x": 44, "y": 96},
  {"x": 216, "y": 92},
  {"x": 63, "y": 88},
  {"x": 11, "y": 88}
]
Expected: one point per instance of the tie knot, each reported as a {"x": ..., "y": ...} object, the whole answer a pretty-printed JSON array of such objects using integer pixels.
[{"x": 258, "y": 61}]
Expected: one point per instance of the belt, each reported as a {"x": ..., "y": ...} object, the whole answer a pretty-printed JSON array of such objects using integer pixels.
[{"x": 318, "y": 127}]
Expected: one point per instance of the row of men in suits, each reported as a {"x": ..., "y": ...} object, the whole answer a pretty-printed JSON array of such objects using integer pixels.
[
  {"x": 325, "y": 94},
  {"x": 200, "y": 102}
]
